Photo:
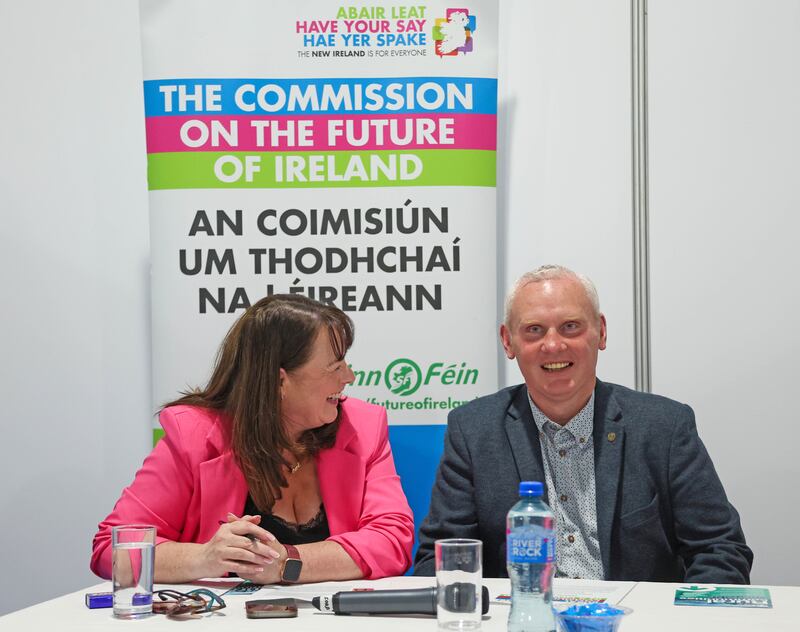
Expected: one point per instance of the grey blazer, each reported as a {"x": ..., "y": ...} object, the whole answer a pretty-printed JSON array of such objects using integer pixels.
[{"x": 662, "y": 514}]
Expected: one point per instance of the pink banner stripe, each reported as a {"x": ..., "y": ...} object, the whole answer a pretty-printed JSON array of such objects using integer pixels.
[{"x": 465, "y": 131}]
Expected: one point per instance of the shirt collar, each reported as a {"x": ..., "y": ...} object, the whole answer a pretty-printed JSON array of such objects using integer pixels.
[{"x": 580, "y": 426}]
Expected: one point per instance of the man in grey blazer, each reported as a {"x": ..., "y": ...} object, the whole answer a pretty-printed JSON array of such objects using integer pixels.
[{"x": 634, "y": 490}]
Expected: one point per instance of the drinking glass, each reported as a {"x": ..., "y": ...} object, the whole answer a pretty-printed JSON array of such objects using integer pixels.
[
  {"x": 458, "y": 584},
  {"x": 133, "y": 551}
]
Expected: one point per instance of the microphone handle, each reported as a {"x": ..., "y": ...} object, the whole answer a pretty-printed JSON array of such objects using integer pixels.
[{"x": 411, "y": 601}]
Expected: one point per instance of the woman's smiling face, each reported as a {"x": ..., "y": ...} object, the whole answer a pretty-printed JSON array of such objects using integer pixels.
[{"x": 310, "y": 394}]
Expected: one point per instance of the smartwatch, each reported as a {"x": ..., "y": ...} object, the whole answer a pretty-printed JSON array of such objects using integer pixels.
[{"x": 292, "y": 565}]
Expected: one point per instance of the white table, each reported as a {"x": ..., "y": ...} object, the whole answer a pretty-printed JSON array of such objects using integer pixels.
[{"x": 653, "y": 611}]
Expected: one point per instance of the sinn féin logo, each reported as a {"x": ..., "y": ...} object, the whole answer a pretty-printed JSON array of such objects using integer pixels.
[
  {"x": 403, "y": 376},
  {"x": 453, "y": 34}
]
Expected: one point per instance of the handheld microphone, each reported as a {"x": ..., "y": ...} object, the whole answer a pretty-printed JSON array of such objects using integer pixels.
[{"x": 459, "y": 597}]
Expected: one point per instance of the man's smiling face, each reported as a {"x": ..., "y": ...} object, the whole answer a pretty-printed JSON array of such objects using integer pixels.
[{"x": 555, "y": 334}]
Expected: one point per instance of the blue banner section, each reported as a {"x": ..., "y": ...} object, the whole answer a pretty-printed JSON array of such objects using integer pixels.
[
  {"x": 258, "y": 97},
  {"x": 417, "y": 451}
]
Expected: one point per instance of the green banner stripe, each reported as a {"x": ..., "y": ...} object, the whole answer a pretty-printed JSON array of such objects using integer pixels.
[
  {"x": 439, "y": 167},
  {"x": 157, "y": 434}
]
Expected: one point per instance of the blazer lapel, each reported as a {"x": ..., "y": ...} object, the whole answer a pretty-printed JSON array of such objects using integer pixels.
[
  {"x": 337, "y": 469},
  {"x": 609, "y": 442},
  {"x": 523, "y": 437},
  {"x": 223, "y": 489}
]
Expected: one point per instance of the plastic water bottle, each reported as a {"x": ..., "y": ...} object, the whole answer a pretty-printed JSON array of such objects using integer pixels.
[{"x": 531, "y": 558}]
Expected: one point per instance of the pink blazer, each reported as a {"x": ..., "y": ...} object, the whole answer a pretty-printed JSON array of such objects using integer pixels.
[{"x": 190, "y": 481}]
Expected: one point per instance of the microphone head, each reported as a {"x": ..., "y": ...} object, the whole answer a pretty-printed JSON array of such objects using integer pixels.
[{"x": 460, "y": 597}]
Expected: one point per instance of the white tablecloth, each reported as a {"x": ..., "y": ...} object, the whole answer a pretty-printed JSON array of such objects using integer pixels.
[{"x": 653, "y": 611}]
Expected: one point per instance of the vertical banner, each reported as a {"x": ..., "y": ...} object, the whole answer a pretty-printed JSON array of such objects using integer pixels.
[{"x": 341, "y": 151}]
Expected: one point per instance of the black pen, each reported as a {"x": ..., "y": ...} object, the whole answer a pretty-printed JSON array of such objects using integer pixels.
[{"x": 249, "y": 536}]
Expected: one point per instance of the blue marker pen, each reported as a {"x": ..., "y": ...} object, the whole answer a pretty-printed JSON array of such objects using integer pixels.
[{"x": 106, "y": 600}]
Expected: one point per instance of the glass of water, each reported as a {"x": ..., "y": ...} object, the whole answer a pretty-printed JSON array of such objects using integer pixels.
[
  {"x": 458, "y": 584},
  {"x": 133, "y": 550}
]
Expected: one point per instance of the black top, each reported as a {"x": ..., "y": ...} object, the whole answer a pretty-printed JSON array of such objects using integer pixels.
[{"x": 315, "y": 530}]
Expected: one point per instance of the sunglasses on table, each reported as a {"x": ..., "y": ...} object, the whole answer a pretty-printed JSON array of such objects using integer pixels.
[{"x": 188, "y": 605}]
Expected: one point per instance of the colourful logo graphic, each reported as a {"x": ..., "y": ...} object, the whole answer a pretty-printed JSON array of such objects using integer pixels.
[
  {"x": 453, "y": 34},
  {"x": 403, "y": 377}
]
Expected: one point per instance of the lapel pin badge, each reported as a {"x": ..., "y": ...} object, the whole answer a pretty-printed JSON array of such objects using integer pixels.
[{"x": 612, "y": 436}]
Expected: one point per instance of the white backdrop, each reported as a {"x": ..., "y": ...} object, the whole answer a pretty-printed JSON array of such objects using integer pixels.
[
  {"x": 563, "y": 173},
  {"x": 74, "y": 245},
  {"x": 724, "y": 199},
  {"x": 74, "y": 340}
]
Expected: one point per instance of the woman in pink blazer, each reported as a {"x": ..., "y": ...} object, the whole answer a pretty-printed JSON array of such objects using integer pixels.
[{"x": 270, "y": 471}]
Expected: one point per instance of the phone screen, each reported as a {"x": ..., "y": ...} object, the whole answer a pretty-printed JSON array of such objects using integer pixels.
[{"x": 270, "y": 608}]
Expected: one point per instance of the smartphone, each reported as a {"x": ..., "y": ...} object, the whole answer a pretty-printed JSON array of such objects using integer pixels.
[{"x": 270, "y": 608}]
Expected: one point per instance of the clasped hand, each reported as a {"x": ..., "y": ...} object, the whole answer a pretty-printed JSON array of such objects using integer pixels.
[{"x": 240, "y": 546}]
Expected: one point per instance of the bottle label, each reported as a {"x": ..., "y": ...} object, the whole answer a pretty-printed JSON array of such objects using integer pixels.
[{"x": 530, "y": 549}]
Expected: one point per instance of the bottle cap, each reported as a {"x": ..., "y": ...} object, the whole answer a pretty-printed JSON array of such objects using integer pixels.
[{"x": 531, "y": 488}]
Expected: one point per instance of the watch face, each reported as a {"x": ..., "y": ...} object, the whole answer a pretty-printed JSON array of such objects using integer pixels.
[{"x": 291, "y": 570}]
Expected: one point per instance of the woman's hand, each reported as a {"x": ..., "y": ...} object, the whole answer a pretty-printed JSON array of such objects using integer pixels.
[
  {"x": 270, "y": 574},
  {"x": 239, "y": 546}
]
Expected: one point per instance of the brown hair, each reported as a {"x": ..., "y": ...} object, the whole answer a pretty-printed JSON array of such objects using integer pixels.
[{"x": 276, "y": 332}]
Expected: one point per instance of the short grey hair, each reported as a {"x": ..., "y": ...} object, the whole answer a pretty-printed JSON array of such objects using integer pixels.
[{"x": 546, "y": 273}]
